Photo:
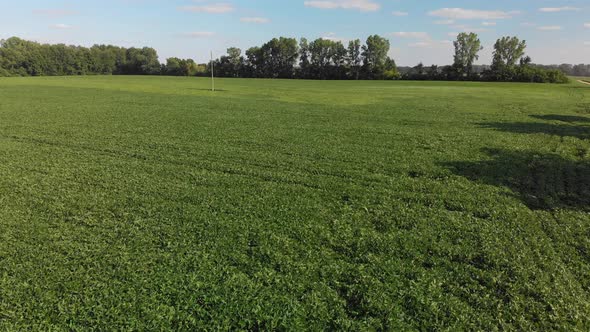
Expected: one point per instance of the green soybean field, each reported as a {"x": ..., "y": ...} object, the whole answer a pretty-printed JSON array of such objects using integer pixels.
[{"x": 152, "y": 203}]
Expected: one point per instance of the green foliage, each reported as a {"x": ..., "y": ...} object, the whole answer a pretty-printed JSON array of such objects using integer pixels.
[
  {"x": 180, "y": 67},
  {"x": 354, "y": 58},
  {"x": 278, "y": 57},
  {"x": 327, "y": 59},
  {"x": 507, "y": 52},
  {"x": 142, "y": 61},
  {"x": 526, "y": 73},
  {"x": 375, "y": 56},
  {"x": 149, "y": 203},
  {"x": 232, "y": 65},
  {"x": 319, "y": 59},
  {"x": 4, "y": 73},
  {"x": 467, "y": 47},
  {"x": 579, "y": 70},
  {"x": 25, "y": 58},
  {"x": 391, "y": 72},
  {"x": 304, "y": 70}
]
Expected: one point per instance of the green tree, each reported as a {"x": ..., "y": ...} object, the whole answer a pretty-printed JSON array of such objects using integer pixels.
[
  {"x": 142, "y": 61},
  {"x": 279, "y": 56},
  {"x": 173, "y": 67},
  {"x": 235, "y": 60},
  {"x": 507, "y": 51},
  {"x": 467, "y": 47},
  {"x": 525, "y": 61},
  {"x": 234, "y": 55},
  {"x": 304, "y": 58},
  {"x": 375, "y": 56},
  {"x": 327, "y": 59},
  {"x": 104, "y": 60},
  {"x": 354, "y": 58},
  {"x": 391, "y": 72},
  {"x": 433, "y": 73},
  {"x": 254, "y": 62}
]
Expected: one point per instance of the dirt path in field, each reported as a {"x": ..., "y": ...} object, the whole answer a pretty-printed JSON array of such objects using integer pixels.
[{"x": 583, "y": 82}]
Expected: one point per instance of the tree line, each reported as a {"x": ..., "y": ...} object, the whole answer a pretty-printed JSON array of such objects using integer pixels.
[
  {"x": 509, "y": 64},
  {"x": 319, "y": 59},
  {"x": 283, "y": 58},
  {"x": 20, "y": 57},
  {"x": 568, "y": 69}
]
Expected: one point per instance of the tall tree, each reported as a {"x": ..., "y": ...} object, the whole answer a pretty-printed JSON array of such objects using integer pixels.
[
  {"x": 279, "y": 56},
  {"x": 525, "y": 61},
  {"x": 234, "y": 55},
  {"x": 235, "y": 60},
  {"x": 323, "y": 58},
  {"x": 467, "y": 47},
  {"x": 339, "y": 60},
  {"x": 142, "y": 61},
  {"x": 173, "y": 67},
  {"x": 326, "y": 57},
  {"x": 354, "y": 58},
  {"x": 507, "y": 51},
  {"x": 304, "y": 58},
  {"x": 375, "y": 56},
  {"x": 254, "y": 61},
  {"x": 180, "y": 67}
]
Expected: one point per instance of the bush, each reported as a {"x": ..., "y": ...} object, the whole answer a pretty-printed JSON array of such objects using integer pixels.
[
  {"x": 557, "y": 76},
  {"x": 392, "y": 74},
  {"x": 4, "y": 73},
  {"x": 539, "y": 75},
  {"x": 525, "y": 73}
]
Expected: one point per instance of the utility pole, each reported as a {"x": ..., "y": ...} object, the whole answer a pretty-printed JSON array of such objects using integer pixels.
[{"x": 212, "y": 73}]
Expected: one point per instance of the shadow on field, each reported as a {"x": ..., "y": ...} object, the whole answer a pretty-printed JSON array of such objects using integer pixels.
[
  {"x": 578, "y": 131},
  {"x": 542, "y": 182},
  {"x": 562, "y": 118},
  {"x": 209, "y": 89}
]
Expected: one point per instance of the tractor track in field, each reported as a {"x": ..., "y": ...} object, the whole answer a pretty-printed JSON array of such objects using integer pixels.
[{"x": 583, "y": 82}]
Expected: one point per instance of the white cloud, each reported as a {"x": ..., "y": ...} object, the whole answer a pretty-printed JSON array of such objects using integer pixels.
[
  {"x": 199, "y": 34},
  {"x": 558, "y": 9},
  {"x": 467, "y": 28},
  {"x": 332, "y": 36},
  {"x": 471, "y": 14},
  {"x": 398, "y": 13},
  {"x": 214, "y": 8},
  {"x": 61, "y": 26},
  {"x": 476, "y": 30},
  {"x": 424, "y": 40},
  {"x": 587, "y": 43},
  {"x": 432, "y": 44},
  {"x": 360, "y": 5},
  {"x": 488, "y": 24},
  {"x": 445, "y": 22},
  {"x": 414, "y": 35},
  {"x": 257, "y": 20},
  {"x": 421, "y": 44},
  {"x": 587, "y": 25},
  {"x": 550, "y": 28}
]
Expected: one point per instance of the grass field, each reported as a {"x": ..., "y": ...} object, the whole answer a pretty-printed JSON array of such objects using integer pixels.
[{"x": 150, "y": 203}]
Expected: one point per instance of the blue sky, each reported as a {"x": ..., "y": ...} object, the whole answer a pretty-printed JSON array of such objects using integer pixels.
[{"x": 419, "y": 30}]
